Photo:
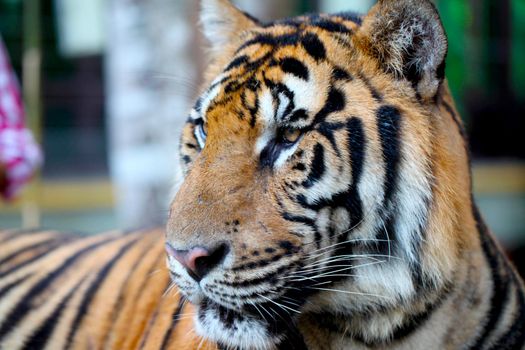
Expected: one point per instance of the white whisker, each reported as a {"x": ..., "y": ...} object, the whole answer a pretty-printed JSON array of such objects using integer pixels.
[
  {"x": 284, "y": 307},
  {"x": 350, "y": 292}
]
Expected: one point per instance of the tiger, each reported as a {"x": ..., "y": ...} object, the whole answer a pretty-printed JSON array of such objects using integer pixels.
[
  {"x": 326, "y": 203},
  {"x": 327, "y": 200}
]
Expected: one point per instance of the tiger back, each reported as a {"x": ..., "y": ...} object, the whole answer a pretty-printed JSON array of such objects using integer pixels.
[{"x": 109, "y": 291}]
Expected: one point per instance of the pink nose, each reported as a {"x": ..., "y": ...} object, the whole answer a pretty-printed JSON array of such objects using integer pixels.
[{"x": 198, "y": 261}]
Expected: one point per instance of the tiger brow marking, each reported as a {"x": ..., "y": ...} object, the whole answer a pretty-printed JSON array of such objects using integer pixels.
[{"x": 294, "y": 66}]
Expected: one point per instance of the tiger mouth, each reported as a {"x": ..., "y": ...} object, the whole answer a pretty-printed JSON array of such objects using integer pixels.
[
  {"x": 249, "y": 328},
  {"x": 225, "y": 314},
  {"x": 248, "y": 311}
]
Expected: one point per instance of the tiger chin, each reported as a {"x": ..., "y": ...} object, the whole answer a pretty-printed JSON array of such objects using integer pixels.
[{"x": 327, "y": 195}]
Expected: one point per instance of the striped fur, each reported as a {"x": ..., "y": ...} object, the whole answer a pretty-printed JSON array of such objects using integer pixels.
[
  {"x": 357, "y": 232},
  {"x": 325, "y": 158},
  {"x": 102, "y": 292}
]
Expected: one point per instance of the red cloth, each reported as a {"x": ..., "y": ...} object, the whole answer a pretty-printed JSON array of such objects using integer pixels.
[{"x": 19, "y": 153}]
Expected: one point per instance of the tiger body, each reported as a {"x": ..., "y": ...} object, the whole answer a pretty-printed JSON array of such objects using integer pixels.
[
  {"x": 326, "y": 202},
  {"x": 107, "y": 291},
  {"x": 326, "y": 163}
]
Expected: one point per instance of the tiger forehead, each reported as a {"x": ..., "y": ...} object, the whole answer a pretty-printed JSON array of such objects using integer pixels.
[
  {"x": 295, "y": 47},
  {"x": 307, "y": 32}
]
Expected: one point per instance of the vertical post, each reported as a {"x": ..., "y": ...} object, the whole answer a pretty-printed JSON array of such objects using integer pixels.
[{"x": 31, "y": 88}]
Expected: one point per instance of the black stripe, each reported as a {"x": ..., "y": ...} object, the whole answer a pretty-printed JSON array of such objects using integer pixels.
[
  {"x": 341, "y": 74},
  {"x": 120, "y": 301},
  {"x": 40, "y": 337},
  {"x": 373, "y": 91},
  {"x": 356, "y": 148},
  {"x": 52, "y": 242},
  {"x": 271, "y": 40},
  {"x": 152, "y": 320},
  {"x": 5, "y": 289},
  {"x": 25, "y": 304},
  {"x": 386, "y": 235},
  {"x": 388, "y": 124},
  {"x": 301, "y": 219},
  {"x": 25, "y": 263},
  {"x": 317, "y": 167},
  {"x": 500, "y": 282},
  {"x": 313, "y": 46},
  {"x": 415, "y": 322},
  {"x": 456, "y": 120},
  {"x": 271, "y": 278},
  {"x": 295, "y": 67},
  {"x": 298, "y": 115},
  {"x": 330, "y": 26},
  {"x": 411, "y": 324},
  {"x": 174, "y": 322},
  {"x": 328, "y": 130},
  {"x": 514, "y": 338},
  {"x": 238, "y": 61},
  {"x": 93, "y": 288},
  {"x": 334, "y": 103},
  {"x": 350, "y": 199}
]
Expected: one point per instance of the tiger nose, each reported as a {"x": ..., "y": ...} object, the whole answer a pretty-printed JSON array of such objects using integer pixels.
[{"x": 198, "y": 261}]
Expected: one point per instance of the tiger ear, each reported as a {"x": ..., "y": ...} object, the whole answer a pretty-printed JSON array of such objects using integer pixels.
[
  {"x": 409, "y": 41},
  {"x": 222, "y": 22}
]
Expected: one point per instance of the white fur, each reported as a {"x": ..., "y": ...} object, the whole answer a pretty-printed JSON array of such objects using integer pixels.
[
  {"x": 284, "y": 155},
  {"x": 248, "y": 334},
  {"x": 304, "y": 91},
  {"x": 284, "y": 101},
  {"x": 210, "y": 95},
  {"x": 266, "y": 113}
]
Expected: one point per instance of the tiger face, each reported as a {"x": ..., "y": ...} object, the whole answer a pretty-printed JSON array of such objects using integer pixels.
[{"x": 311, "y": 164}]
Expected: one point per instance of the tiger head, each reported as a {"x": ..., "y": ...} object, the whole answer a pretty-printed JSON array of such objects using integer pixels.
[{"x": 325, "y": 171}]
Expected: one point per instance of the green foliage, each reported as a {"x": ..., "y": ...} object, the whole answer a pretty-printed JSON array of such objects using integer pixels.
[{"x": 518, "y": 47}]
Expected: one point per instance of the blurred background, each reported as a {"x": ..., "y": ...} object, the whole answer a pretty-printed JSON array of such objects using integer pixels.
[{"x": 107, "y": 85}]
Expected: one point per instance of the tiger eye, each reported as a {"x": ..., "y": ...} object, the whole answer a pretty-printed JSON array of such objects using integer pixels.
[{"x": 291, "y": 135}]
